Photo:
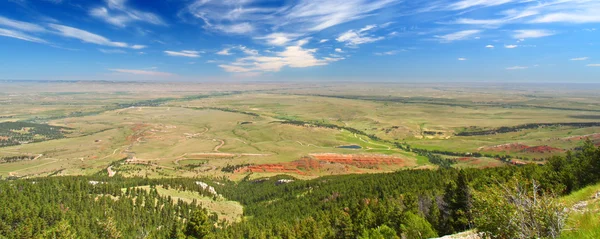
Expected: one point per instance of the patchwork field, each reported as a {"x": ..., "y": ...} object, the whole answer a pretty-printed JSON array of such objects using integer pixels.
[{"x": 262, "y": 129}]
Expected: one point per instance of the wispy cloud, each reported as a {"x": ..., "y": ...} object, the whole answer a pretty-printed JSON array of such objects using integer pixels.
[
  {"x": 279, "y": 38},
  {"x": 240, "y": 28},
  {"x": 20, "y": 36},
  {"x": 465, "y": 4},
  {"x": 579, "y": 59},
  {"x": 89, "y": 37},
  {"x": 389, "y": 53},
  {"x": 490, "y": 46},
  {"x": 462, "y": 59},
  {"x": 517, "y": 68},
  {"x": 143, "y": 72},
  {"x": 225, "y": 52},
  {"x": 112, "y": 51},
  {"x": 293, "y": 56},
  {"x": 511, "y": 46},
  {"x": 357, "y": 37},
  {"x": 460, "y": 35},
  {"x": 184, "y": 53},
  {"x": 510, "y": 16},
  {"x": 524, "y": 34},
  {"x": 593, "y": 65},
  {"x": 22, "y": 26},
  {"x": 119, "y": 14},
  {"x": 283, "y": 23}
]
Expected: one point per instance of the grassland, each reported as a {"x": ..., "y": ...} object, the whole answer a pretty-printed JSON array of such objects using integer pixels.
[
  {"x": 229, "y": 211},
  {"x": 185, "y": 129},
  {"x": 584, "y": 219}
]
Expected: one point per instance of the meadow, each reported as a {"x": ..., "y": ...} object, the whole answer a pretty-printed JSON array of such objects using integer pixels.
[{"x": 308, "y": 130}]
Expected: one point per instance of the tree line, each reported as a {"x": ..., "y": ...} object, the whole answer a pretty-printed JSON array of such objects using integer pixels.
[{"x": 407, "y": 203}]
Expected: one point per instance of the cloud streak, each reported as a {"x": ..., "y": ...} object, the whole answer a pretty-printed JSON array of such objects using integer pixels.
[
  {"x": 457, "y": 36},
  {"x": 358, "y": 37},
  {"x": 89, "y": 37},
  {"x": 143, "y": 72},
  {"x": 20, "y": 36},
  {"x": 117, "y": 13},
  {"x": 184, "y": 53}
]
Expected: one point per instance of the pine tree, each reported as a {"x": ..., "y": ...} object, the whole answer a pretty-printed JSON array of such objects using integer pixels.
[
  {"x": 108, "y": 229},
  {"x": 434, "y": 216},
  {"x": 176, "y": 232},
  {"x": 198, "y": 225},
  {"x": 62, "y": 230}
]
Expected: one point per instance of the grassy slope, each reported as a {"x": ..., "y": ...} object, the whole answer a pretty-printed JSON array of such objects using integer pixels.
[
  {"x": 584, "y": 223},
  {"x": 230, "y": 211}
]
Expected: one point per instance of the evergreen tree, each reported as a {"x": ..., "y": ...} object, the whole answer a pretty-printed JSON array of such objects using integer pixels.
[
  {"x": 434, "y": 216},
  {"x": 62, "y": 230},
  {"x": 176, "y": 232},
  {"x": 108, "y": 229},
  {"x": 198, "y": 225}
]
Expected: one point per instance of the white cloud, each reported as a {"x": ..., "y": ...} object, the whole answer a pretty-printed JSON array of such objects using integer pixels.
[
  {"x": 511, "y": 46},
  {"x": 138, "y": 47},
  {"x": 464, "y": 4},
  {"x": 389, "y": 53},
  {"x": 517, "y": 68},
  {"x": 22, "y": 26},
  {"x": 510, "y": 16},
  {"x": 462, "y": 59},
  {"x": 338, "y": 50},
  {"x": 184, "y": 53},
  {"x": 118, "y": 14},
  {"x": 354, "y": 38},
  {"x": 225, "y": 52},
  {"x": 323, "y": 40},
  {"x": 293, "y": 56},
  {"x": 89, "y": 37},
  {"x": 279, "y": 38},
  {"x": 524, "y": 34},
  {"x": 244, "y": 49},
  {"x": 590, "y": 16},
  {"x": 112, "y": 51},
  {"x": 489, "y": 46},
  {"x": 461, "y": 35},
  {"x": 142, "y": 72},
  {"x": 593, "y": 65},
  {"x": 300, "y": 17},
  {"x": 580, "y": 59},
  {"x": 240, "y": 28},
  {"x": 20, "y": 36},
  {"x": 247, "y": 50}
]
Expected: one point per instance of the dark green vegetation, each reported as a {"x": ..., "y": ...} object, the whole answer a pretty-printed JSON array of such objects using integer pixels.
[
  {"x": 415, "y": 203},
  {"x": 16, "y": 133},
  {"x": 501, "y": 130}
]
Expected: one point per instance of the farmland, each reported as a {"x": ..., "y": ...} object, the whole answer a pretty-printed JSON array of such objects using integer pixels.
[{"x": 303, "y": 129}]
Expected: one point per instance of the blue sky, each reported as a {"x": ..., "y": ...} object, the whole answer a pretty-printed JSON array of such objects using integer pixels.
[{"x": 366, "y": 40}]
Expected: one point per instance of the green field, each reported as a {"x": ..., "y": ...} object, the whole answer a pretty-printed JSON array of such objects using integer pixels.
[{"x": 191, "y": 130}]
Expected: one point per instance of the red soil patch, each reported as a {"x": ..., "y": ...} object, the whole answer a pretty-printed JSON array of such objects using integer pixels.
[
  {"x": 327, "y": 162},
  {"x": 4, "y": 138},
  {"x": 360, "y": 160},
  {"x": 465, "y": 159},
  {"x": 138, "y": 132},
  {"x": 270, "y": 168}
]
